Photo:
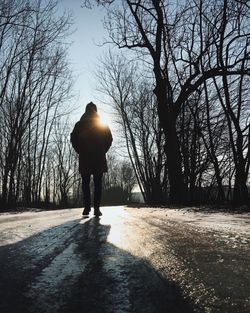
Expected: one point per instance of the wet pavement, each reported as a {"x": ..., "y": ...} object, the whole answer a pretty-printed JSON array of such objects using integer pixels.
[{"x": 143, "y": 260}]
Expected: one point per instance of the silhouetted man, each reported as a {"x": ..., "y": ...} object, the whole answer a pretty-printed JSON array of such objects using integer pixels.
[{"x": 91, "y": 139}]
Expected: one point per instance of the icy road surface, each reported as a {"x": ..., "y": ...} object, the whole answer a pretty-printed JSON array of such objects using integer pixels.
[{"x": 130, "y": 260}]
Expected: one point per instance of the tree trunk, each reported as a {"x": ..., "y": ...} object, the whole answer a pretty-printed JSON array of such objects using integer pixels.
[
  {"x": 240, "y": 193},
  {"x": 177, "y": 192},
  {"x": 172, "y": 149}
]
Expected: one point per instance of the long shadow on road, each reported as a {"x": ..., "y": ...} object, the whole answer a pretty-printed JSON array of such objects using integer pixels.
[{"x": 78, "y": 270}]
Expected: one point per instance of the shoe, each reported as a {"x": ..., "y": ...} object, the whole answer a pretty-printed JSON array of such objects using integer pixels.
[
  {"x": 85, "y": 212},
  {"x": 97, "y": 212}
]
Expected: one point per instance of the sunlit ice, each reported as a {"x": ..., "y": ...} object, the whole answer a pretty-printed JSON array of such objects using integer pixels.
[{"x": 116, "y": 234}]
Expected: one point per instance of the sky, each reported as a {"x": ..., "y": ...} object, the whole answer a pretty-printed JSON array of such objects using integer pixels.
[{"x": 84, "y": 52}]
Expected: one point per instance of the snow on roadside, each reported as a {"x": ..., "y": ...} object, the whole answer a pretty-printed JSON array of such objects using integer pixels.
[
  {"x": 230, "y": 228},
  {"x": 219, "y": 221}
]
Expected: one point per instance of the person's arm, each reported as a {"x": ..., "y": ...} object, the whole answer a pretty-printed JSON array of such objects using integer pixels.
[
  {"x": 74, "y": 138},
  {"x": 108, "y": 139}
]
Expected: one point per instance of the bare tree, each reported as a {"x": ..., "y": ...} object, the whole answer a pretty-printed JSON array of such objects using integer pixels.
[
  {"x": 187, "y": 44},
  {"x": 35, "y": 83},
  {"x": 134, "y": 104},
  {"x": 64, "y": 160},
  {"x": 119, "y": 181}
]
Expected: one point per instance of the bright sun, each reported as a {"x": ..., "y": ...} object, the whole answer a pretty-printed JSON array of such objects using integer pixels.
[{"x": 104, "y": 119}]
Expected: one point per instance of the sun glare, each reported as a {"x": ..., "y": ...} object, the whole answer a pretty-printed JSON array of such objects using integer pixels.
[{"x": 104, "y": 120}]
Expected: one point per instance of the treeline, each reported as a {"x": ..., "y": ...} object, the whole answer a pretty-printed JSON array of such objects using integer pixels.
[
  {"x": 180, "y": 87},
  {"x": 38, "y": 167},
  {"x": 35, "y": 84}
]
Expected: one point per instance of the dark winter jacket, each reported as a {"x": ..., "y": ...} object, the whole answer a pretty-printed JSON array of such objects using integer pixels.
[{"x": 91, "y": 140}]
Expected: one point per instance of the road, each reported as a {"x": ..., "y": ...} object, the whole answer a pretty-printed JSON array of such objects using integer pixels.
[{"x": 145, "y": 260}]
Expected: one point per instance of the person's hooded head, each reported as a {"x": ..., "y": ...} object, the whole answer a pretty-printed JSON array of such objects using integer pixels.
[
  {"x": 91, "y": 108},
  {"x": 90, "y": 116}
]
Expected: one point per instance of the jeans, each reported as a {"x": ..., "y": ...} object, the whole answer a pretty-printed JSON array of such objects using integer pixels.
[{"x": 97, "y": 190}]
